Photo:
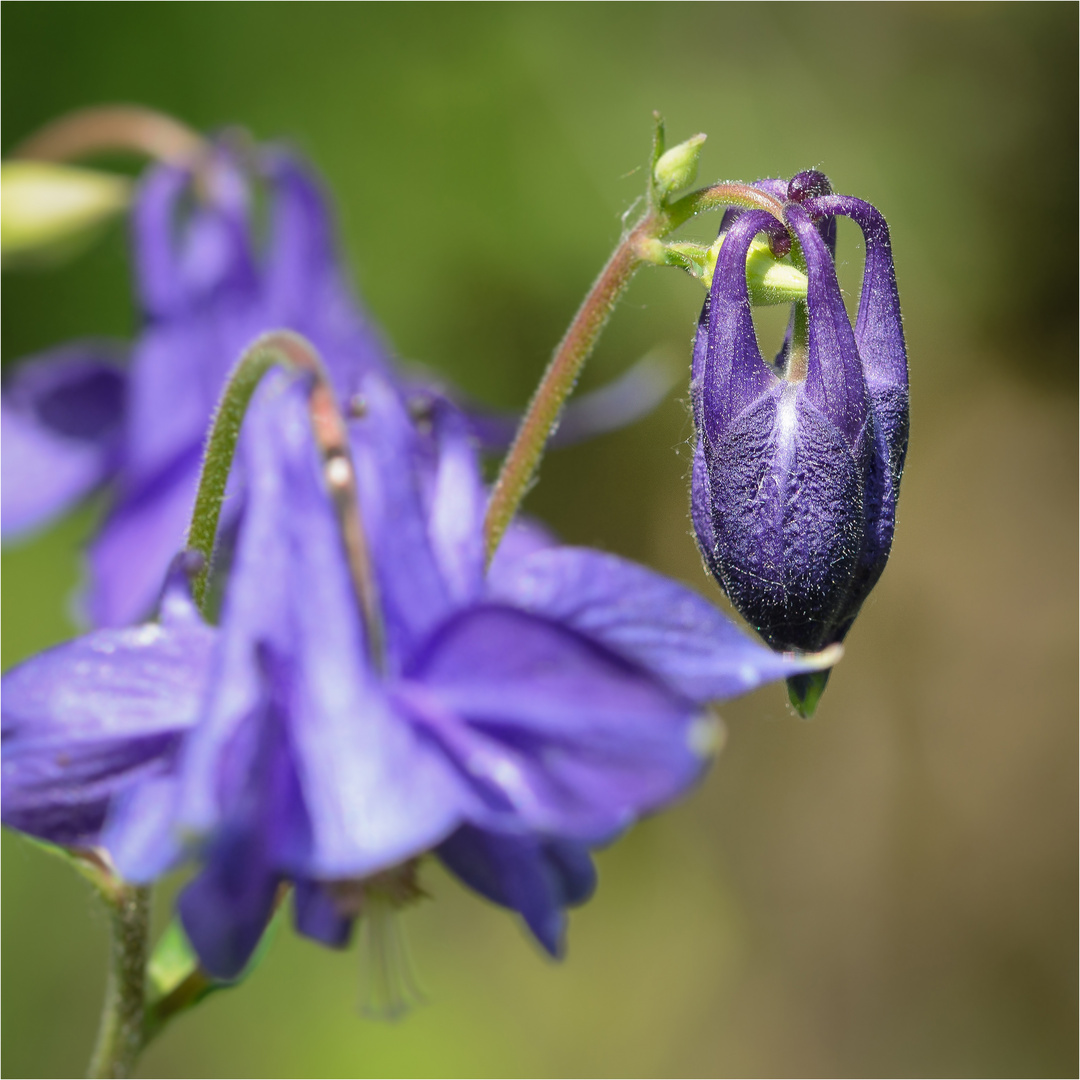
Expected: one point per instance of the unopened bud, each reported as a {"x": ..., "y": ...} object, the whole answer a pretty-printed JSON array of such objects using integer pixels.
[
  {"x": 47, "y": 211},
  {"x": 677, "y": 167},
  {"x": 797, "y": 472}
]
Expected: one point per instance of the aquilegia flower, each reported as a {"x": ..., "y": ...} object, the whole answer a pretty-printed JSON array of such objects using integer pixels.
[
  {"x": 77, "y": 418},
  {"x": 507, "y": 721},
  {"x": 797, "y": 464}
]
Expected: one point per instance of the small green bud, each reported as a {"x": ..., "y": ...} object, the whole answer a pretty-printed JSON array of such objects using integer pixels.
[
  {"x": 677, "y": 167},
  {"x": 48, "y": 212}
]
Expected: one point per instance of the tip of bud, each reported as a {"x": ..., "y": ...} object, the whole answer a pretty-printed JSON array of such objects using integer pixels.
[
  {"x": 677, "y": 168},
  {"x": 809, "y": 184},
  {"x": 46, "y": 210}
]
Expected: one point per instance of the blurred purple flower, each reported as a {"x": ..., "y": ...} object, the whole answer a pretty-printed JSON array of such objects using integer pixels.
[
  {"x": 75, "y": 419},
  {"x": 798, "y": 463},
  {"x": 512, "y": 721}
]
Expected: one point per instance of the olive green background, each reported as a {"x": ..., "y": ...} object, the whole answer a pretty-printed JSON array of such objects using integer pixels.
[{"x": 888, "y": 889}]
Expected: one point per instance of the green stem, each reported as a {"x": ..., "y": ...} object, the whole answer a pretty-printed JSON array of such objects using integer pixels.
[
  {"x": 219, "y": 454},
  {"x": 291, "y": 352},
  {"x": 541, "y": 417},
  {"x": 558, "y": 381},
  {"x": 120, "y": 1035}
]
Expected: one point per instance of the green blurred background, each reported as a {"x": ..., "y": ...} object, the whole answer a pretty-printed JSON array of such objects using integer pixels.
[{"x": 889, "y": 889}]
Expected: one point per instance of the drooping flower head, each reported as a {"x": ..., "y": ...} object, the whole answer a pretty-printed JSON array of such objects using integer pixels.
[
  {"x": 75, "y": 418},
  {"x": 94, "y": 413},
  {"x": 797, "y": 464},
  {"x": 508, "y": 721}
]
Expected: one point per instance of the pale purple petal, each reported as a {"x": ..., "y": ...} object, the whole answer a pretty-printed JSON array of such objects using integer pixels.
[
  {"x": 202, "y": 303},
  {"x": 140, "y": 831},
  {"x": 60, "y": 433},
  {"x": 161, "y": 287},
  {"x": 131, "y": 554},
  {"x": 457, "y": 507},
  {"x": 376, "y": 792},
  {"x": 524, "y": 536},
  {"x": 549, "y": 725},
  {"x": 665, "y": 627},
  {"x": 373, "y": 793},
  {"x": 306, "y": 287},
  {"x": 413, "y": 592},
  {"x": 86, "y": 720},
  {"x": 191, "y": 250}
]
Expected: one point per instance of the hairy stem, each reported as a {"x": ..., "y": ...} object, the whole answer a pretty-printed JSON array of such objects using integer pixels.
[
  {"x": 120, "y": 1035},
  {"x": 542, "y": 415},
  {"x": 562, "y": 373},
  {"x": 218, "y": 457},
  {"x": 284, "y": 349},
  {"x": 720, "y": 197}
]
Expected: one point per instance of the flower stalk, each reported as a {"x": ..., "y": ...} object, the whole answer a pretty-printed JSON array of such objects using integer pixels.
[
  {"x": 219, "y": 454},
  {"x": 120, "y": 1035},
  {"x": 291, "y": 352},
  {"x": 640, "y": 245}
]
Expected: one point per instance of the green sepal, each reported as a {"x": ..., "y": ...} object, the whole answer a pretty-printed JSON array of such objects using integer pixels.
[
  {"x": 696, "y": 259},
  {"x": 772, "y": 280},
  {"x": 658, "y": 144},
  {"x": 172, "y": 962},
  {"x": 804, "y": 691},
  {"x": 676, "y": 168},
  {"x": 769, "y": 279},
  {"x": 176, "y": 981}
]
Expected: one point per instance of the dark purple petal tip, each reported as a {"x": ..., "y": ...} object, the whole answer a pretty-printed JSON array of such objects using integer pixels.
[{"x": 808, "y": 184}]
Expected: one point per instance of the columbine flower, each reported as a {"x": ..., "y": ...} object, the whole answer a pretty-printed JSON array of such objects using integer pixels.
[
  {"x": 74, "y": 419},
  {"x": 77, "y": 418},
  {"x": 798, "y": 463},
  {"x": 508, "y": 722}
]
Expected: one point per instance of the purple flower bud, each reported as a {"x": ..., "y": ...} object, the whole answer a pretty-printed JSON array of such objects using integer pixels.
[{"x": 798, "y": 462}]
